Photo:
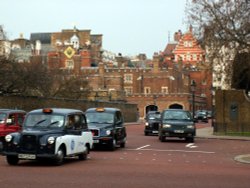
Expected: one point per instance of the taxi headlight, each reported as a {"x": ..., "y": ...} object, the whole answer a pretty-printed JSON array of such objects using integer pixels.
[
  {"x": 146, "y": 124},
  {"x": 190, "y": 126},
  {"x": 166, "y": 126},
  {"x": 8, "y": 138},
  {"x": 108, "y": 132},
  {"x": 51, "y": 140}
]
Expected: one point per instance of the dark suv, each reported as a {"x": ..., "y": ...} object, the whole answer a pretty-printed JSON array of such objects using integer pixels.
[
  {"x": 107, "y": 126},
  {"x": 177, "y": 123},
  {"x": 152, "y": 121}
]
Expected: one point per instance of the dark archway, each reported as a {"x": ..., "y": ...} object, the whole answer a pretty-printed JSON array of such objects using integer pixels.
[
  {"x": 151, "y": 108},
  {"x": 176, "y": 106}
]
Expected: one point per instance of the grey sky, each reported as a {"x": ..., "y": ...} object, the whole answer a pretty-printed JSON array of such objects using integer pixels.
[{"x": 128, "y": 26}]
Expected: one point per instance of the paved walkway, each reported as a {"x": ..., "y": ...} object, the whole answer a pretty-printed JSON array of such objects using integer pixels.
[{"x": 207, "y": 132}]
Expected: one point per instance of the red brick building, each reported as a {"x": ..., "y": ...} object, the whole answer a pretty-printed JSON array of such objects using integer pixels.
[{"x": 164, "y": 85}]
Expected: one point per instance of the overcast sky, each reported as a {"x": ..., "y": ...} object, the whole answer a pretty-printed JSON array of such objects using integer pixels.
[{"x": 129, "y": 27}]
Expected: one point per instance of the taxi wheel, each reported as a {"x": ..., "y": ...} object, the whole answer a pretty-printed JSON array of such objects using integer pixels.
[
  {"x": 112, "y": 145},
  {"x": 84, "y": 156},
  {"x": 162, "y": 138},
  {"x": 12, "y": 160},
  {"x": 60, "y": 156}
]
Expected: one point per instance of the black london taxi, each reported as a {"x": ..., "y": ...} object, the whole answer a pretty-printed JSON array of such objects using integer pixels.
[
  {"x": 177, "y": 123},
  {"x": 107, "y": 126},
  {"x": 201, "y": 115},
  {"x": 50, "y": 133},
  {"x": 152, "y": 122}
]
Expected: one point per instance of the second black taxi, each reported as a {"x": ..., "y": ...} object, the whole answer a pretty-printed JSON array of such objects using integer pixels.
[
  {"x": 107, "y": 126},
  {"x": 152, "y": 122}
]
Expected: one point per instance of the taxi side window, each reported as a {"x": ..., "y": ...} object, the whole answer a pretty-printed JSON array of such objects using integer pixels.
[
  {"x": 70, "y": 122},
  {"x": 84, "y": 122},
  {"x": 118, "y": 117},
  {"x": 76, "y": 122}
]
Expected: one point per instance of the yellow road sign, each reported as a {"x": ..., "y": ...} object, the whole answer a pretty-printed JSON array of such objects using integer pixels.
[{"x": 69, "y": 52}]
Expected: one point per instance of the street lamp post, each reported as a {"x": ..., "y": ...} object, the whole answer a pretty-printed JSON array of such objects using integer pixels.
[{"x": 193, "y": 87}]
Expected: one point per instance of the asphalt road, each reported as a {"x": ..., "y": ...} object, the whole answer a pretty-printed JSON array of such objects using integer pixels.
[{"x": 145, "y": 162}]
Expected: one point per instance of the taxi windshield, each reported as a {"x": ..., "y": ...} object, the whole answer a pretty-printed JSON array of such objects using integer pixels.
[
  {"x": 44, "y": 121},
  {"x": 154, "y": 116},
  {"x": 2, "y": 118},
  {"x": 100, "y": 117}
]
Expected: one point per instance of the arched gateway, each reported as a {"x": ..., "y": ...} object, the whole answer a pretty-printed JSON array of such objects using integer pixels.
[{"x": 176, "y": 106}]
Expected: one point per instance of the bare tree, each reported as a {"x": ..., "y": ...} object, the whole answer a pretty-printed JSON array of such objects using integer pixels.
[
  {"x": 69, "y": 86},
  {"x": 34, "y": 79},
  {"x": 224, "y": 26},
  {"x": 11, "y": 77}
]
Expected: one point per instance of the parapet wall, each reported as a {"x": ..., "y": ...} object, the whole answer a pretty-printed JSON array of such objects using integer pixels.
[
  {"x": 31, "y": 103},
  {"x": 232, "y": 109}
]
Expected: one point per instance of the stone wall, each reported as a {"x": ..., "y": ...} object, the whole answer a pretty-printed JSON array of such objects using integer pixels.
[
  {"x": 31, "y": 103},
  {"x": 232, "y": 111}
]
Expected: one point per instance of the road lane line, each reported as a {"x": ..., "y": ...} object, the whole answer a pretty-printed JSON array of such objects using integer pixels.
[
  {"x": 142, "y": 147},
  {"x": 185, "y": 151}
]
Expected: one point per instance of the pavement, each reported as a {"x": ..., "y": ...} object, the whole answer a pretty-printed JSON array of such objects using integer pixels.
[{"x": 208, "y": 133}]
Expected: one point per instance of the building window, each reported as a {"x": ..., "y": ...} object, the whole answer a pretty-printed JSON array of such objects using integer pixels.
[
  {"x": 194, "y": 57},
  {"x": 203, "y": 95},
  {"x": 164, "y": 90},
  {"x": 69, "y": 64},
  {"x": 204, "y": 82},
  {"x": 128, "y": 78},
  {"x": 128, "y": 90},
  {"x": 147, "y": 90}
]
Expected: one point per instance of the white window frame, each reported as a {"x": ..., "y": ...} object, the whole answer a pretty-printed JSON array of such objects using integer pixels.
[
  {"x": 164, "y": 90},
  {"x": 128, "y": 90},
  {"x": 70, "y": 64},
  {"x": 128, "y": 78},
  {"x": 147, "y": 90}
]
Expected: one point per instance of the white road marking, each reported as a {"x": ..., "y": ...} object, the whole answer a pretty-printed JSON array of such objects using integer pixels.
[
  {"x": 185, "y": 151},
  {"x": 142, "y": 147},
  {"x": 191, "y": 145}
]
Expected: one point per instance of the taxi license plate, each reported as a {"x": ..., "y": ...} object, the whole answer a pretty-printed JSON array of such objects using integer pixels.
[
  {"x": 95, "y": 141},
  {"x": 178, "y": 131},
  {"x": 26, "y": 156},
  {"x": 155, "y": 131}
]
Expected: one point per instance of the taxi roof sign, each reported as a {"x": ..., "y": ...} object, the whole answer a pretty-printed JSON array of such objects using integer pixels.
[
  {"x": 100, "y": 109},
  {"x": 47, "y": 110}
]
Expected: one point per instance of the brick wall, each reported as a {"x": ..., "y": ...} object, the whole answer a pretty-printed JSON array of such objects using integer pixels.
[{"x": 31, "y": 103}]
